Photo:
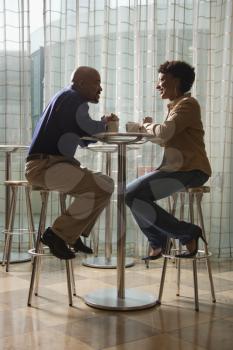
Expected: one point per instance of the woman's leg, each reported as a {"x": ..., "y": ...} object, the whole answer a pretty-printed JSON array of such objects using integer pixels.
[{"x": 155, "y": 222}]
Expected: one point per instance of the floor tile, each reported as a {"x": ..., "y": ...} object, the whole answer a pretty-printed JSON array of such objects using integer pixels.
[
  {"x": 214, "y": 335},
  {"x": 46, "y": 340},
  {"x": 12, "y": 283},
  {"x": 105, "y": 331},
  {"x": 168, "y": 317},
  {"x": 12, "y": 322},
  {"x": 163, "y": 342}
]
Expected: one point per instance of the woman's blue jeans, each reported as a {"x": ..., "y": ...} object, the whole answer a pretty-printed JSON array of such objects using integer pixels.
[{"x": 155, "y": 222}]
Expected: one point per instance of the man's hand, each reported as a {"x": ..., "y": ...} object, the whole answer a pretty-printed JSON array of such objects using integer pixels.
[
  {"x": 110, "y": 118},
  {"x": 112, "y": 122},
  {"x": 147, "y": 120}
]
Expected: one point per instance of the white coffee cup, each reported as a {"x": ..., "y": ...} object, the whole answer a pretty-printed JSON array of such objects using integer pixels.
[
  {"x": 132, "y": 127},
  {"x": 113, "y": 126}
]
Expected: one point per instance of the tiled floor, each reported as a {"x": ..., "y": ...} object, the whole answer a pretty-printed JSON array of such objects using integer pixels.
[{"x": 50, "y": 324}]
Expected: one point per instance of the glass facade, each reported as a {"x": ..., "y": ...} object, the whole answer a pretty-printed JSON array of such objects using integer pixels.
[{"x": 37, "y": 77}]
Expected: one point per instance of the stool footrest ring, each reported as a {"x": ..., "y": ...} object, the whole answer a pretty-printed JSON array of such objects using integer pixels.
[
  {"x": 201, "y": 254},
  {"x": 34, "y": 253}
]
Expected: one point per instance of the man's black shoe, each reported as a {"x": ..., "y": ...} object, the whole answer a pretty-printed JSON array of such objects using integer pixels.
[
  {"x": 79, "y": 246},
  {"x": 56, "y": 245}
]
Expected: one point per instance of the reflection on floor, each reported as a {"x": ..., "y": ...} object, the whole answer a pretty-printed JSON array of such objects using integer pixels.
[{"x": 51, "y": 324}]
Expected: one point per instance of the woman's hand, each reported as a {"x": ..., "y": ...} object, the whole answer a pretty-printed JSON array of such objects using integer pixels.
[{"x": 147, "y": 120}]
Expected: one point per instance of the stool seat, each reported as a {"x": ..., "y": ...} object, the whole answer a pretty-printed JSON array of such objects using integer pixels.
[
  {"x": 200, "y": 189},
  {"x": 17, "y": 183}
]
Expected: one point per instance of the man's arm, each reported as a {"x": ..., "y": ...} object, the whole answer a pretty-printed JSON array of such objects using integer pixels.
[{"x": 87, "y": 125}]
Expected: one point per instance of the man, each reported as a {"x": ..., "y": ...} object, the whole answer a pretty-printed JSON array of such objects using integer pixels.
[{"x": 51, "y": 164}]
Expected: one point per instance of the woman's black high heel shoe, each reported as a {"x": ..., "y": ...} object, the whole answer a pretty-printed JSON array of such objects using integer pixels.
[
  {"x": 188, "y": 254},
  {"x": 153, "y": 257},
  {"x": 148, "y": 258}
]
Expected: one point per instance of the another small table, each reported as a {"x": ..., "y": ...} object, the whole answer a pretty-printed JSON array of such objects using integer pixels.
[
  {"x": 9, "y": 149},
  {"x": 120, "y": 298}
]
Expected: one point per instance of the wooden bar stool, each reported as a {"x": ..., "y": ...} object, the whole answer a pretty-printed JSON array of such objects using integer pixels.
[
  {"x": 10, "y": 231},
  {"x": 195, "y": 195},
  {"x": 41, "y": 251}
]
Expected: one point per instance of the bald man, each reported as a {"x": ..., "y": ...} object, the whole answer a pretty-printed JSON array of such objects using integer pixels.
[{"x": 50, "y": 163}]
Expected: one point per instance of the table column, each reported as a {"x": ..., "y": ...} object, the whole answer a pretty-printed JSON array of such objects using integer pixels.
[{"x": 120, "y": 298}]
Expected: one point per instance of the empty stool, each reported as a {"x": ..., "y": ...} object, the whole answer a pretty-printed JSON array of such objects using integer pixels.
[
  {"x": 195, "y": 195},
  {"x": 40, "y": 251},
  {"x": 10, "y": 230}
]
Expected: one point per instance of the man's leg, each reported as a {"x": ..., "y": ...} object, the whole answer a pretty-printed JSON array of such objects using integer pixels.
[
  {"x": 82, "y": 214},
  {"x": 91, "y": 192}
]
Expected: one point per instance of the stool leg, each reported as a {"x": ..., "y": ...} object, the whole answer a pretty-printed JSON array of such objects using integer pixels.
[
  {"x": 169, "y": 204},
  {"x": 174, "y": 204},
  {"x": 182, "y": 200},
  {"x": 178, "y": 276},
  {"x": 72, "y": 277},
  {"x": 159, "y": 300},
  {"x": 7, "y": 235},
  {"x": 10, "y": 227},
  {"x": 195, "y": 282},
  {"x": 173, "y": 212},
  {"x": 38, "y": 269},
  {"x": 31, "y": 227},
  {"x": 68, "y": 273},
  {"x": 191, "y": 212},
  {"x": 147, "y": 261},
  {"x": 164, "y": 270},
  {"x": 62, "y": 199},
  {"x": 69, "y": 265},
  {"x": 44, "y": 198},
  {"x": 208, "y": 265}
]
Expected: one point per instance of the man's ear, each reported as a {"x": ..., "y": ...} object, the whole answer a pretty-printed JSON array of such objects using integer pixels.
[{"x": 80, "y": 83}]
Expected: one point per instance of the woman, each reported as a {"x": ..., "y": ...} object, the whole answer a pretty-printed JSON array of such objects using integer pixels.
[{"x": 185, "y": 163}]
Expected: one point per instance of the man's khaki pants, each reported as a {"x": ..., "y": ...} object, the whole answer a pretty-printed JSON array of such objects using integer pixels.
[{"x": 91, "y": 192}]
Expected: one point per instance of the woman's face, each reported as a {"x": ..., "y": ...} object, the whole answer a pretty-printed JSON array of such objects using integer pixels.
[{"x": 168, "y": 86}]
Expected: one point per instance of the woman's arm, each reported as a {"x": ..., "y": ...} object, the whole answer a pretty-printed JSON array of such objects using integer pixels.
[{"x": 185, "y": 114}]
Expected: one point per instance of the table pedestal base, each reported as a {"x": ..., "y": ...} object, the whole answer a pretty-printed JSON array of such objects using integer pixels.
[
  {"x": 105, "y": 263},
  {"x": 107, "y": 299}
]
